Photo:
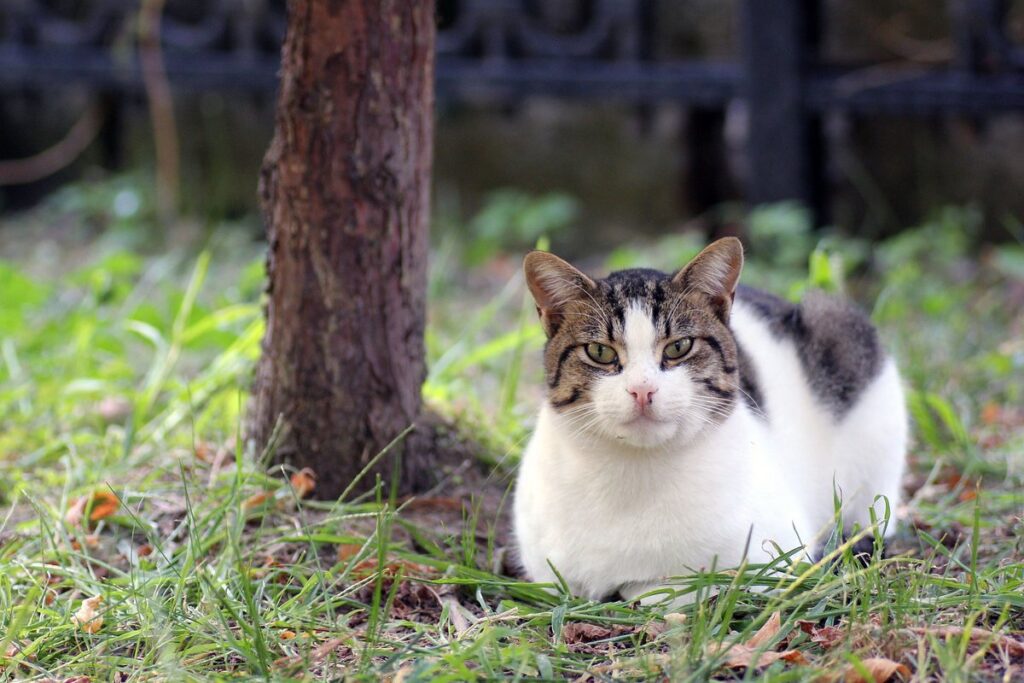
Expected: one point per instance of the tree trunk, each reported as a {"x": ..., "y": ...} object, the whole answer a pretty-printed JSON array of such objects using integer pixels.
[{"x": 345, "y": 193}]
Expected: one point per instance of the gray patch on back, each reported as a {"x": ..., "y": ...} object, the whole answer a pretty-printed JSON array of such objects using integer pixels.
[
  {"x": 749, "y": 385},
  {"x": 837, "y": 344}
]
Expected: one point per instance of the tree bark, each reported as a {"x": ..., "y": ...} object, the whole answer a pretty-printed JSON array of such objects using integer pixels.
[{"x": 345, "y": 194}]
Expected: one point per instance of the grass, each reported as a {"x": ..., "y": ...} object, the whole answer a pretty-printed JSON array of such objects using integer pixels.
[{"x": 123, "y": 390}]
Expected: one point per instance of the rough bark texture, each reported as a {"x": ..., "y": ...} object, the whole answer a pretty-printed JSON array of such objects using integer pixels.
[{"x": 345, "y": 193}]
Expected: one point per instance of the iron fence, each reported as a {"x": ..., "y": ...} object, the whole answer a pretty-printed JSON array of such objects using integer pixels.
[{"x": 505, "y": 50}]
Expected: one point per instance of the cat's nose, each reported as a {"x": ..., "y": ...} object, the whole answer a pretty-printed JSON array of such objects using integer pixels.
[{"x": 643, "y": 394}]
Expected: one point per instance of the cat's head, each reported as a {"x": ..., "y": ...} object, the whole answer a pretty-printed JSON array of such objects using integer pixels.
[{"x": 640, "y": 357}]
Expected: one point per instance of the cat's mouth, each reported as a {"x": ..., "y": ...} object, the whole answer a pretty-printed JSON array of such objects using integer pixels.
[
  {"x": 644, "y": 430},
  {"x": 642, "y": 419}
]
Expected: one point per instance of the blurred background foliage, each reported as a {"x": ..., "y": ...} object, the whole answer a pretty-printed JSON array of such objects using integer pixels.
[
  {"x": 628, "y": 168},
  {"x": 97, "y": 282}
]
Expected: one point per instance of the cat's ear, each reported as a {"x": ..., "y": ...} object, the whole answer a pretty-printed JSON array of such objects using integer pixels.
[
  {"x": 714, "y": 272},
  {"x": 553, "y": 283}
]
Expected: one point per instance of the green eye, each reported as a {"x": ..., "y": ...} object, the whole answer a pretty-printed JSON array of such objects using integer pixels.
[
  {"x": 599, "y": 353},
  {"x": 678, "y": 348}
]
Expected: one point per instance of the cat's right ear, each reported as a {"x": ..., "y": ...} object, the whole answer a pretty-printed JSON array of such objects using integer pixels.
[{"x": 553, "y": 283}]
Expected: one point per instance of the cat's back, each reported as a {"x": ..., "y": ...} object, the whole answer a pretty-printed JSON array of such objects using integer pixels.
[
  {"x": 830, "y": 396},
  {"x": 836, "y": 347}
]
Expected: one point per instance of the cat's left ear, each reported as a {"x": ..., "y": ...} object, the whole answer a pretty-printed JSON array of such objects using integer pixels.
[
  {"x": 553, "y": 283},
  {"x": 715, "y": 272}
]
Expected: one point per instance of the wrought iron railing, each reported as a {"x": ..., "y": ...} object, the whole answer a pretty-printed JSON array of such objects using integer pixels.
[{"x": 508, "y": 49}]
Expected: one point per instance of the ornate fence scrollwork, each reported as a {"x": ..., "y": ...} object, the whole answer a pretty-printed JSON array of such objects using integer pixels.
[{"x": 507, "y": 49}]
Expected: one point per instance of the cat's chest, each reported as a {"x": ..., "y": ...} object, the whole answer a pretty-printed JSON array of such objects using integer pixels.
[{"x": 653, "y": 506}]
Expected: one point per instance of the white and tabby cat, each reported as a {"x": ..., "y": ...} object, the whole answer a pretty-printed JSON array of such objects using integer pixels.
[{"x": 686, "y": 414}]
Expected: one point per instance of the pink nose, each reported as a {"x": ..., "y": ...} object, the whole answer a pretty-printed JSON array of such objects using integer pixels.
[{"x": 643, "y": 394}]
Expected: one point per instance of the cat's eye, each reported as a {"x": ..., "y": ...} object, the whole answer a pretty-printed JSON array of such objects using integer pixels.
[
  {"x": 678, "y": 348},
  {"x": 599, "y": 353}
]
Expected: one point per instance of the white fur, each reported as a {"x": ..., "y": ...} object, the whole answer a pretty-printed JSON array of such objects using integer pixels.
[{"x": 617, "y": 504}]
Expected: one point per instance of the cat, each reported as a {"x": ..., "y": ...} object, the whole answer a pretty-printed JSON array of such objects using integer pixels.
[{"x": 692, "y": 423}]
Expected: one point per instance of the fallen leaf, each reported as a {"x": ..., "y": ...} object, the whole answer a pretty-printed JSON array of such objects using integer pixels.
[
  {"x": 14, "y": 648},
  {"x": 743, "y": 657},
  {"x": 828, "y": 637},
  {"x": 321, "y": 651},
  {"x": 746, "y": 655},
  {"x": 456, "y": 614},
  {"x": 991, "y": 413},
  {"x": 347, "y": 551},
  {"x": 87, "y": 618},
  {"x": 100, "y": 505},
  {"x": 825, "y": 636},
  {"x": 104, "y": 504},
  {"x": 582, "y": 632},
  {"x": 764, "y": 634},
  {"x": 303, "y": 482},
  {"x": 255, "y": 500},
  {"x": 203, "y": 452},
  {"x": 880, "y": 669},
  {"x": 287, "y": 635},
  {"x": 653, "y": 629}
]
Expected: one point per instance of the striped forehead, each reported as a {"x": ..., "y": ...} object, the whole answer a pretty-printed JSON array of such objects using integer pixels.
[{"x": 642, "y": 291}]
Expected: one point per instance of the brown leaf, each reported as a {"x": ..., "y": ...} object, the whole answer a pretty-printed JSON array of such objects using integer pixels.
[
  {"x": 287, "y": 634},
  {"x": 368, "y": 566},
  {"x": 653, "y": 629},
  {"x": 326, "y": 648},
  {"x": 582, "y": 632},
  {"x": 991, "y": 413},
  {"x": 14, "y": 648},
  {"x": 303, "y": 482},
  {"x": 346, "y": 551},
  {"x": 880, "y": 668},
  {"x": 203, "y": 452},
  {"x": 746, "y": 656},
  {"x": 255, "y": 500},
  {"x": 100, "y": 504},
  {"x": 764, "y": 634},
  {"x": 87, "y": 618},
  {"x": 743, "y": 657},
  {"x": 825, "y": 636},
  {"x": 104, "y": 504}
]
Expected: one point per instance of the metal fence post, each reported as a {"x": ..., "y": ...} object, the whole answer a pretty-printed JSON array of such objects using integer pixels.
[{"x": 784, "y": 146}]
